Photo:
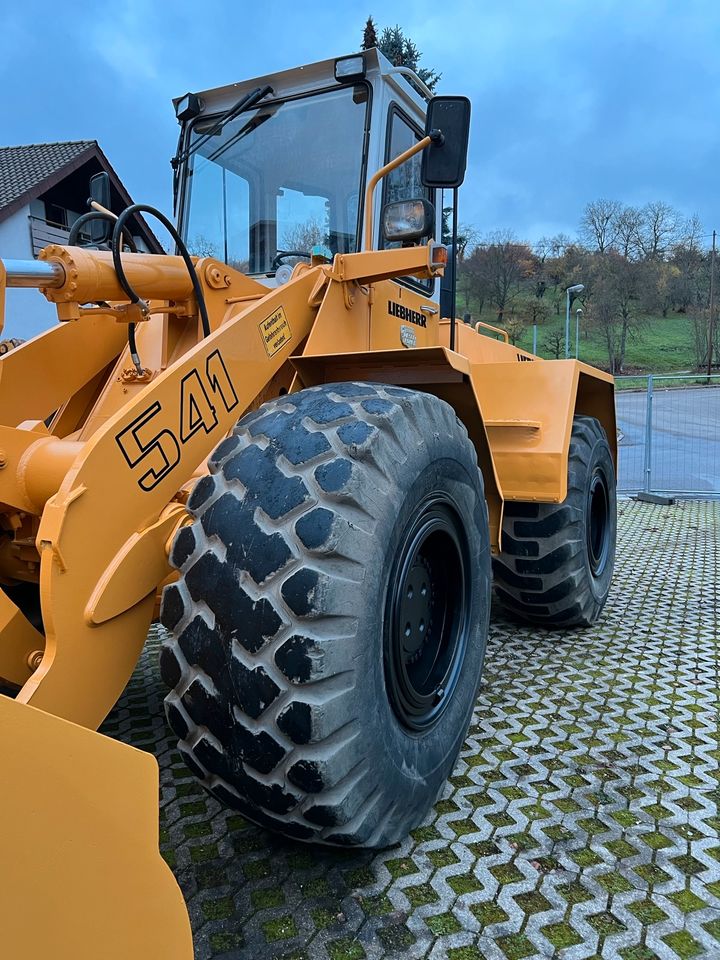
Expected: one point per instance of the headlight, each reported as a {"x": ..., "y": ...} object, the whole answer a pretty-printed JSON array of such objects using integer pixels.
[
  {"x": 350, "y": 68},
  {"x": 188, "y": 107},
  {"x": 408, "y": 220}
]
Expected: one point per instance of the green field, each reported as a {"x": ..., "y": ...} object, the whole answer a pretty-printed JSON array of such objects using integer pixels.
[{"x": 661, "y": 345}]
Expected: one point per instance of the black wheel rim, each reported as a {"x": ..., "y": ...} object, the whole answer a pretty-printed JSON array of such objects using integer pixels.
[
  {"x": 426, "y": 622},
  {"x": 598, "y": 522}
]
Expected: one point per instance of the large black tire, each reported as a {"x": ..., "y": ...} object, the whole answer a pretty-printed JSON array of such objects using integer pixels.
[
  {"x": 557, "y": 559},
  {"x": 328, "y": 628}
]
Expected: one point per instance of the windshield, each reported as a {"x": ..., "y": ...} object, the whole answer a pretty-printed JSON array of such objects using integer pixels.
[{"x": 280, "y": 179}]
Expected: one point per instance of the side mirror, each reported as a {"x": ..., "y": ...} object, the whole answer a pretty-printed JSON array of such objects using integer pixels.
[
  {"x": 444, "y": 161},
  {"x": 408, "y": 220},
  {"x": 100, "y": 230}
]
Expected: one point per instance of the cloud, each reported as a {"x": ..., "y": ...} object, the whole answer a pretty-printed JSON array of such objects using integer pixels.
[
  {"x": 129, "y": 37},
  {"x": 571, "y": 101}
]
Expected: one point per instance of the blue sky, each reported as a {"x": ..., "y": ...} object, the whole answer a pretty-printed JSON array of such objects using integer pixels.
[{"x": 571, "y": 100}]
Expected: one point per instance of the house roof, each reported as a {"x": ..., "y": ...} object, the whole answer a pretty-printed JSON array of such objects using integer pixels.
[
  {"x": 30, "y": 170},
  {"x": 25, "y": 171}
]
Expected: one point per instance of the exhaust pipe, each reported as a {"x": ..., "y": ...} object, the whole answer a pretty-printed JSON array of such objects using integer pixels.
[{"x": 33, "y": 273}]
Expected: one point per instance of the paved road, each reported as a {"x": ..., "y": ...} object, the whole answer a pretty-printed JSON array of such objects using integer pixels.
[
  {"x": 685, "y": 440},
  {"x": 581, "y": 819}
]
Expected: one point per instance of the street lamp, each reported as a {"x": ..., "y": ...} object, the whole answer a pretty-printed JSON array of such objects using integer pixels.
[
  {"x": 576, "y": 288},
  {"x": 577, "y": 332}
]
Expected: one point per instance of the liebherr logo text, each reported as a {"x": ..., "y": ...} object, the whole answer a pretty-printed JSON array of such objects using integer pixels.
[
  {"x": 406, "y": 314},
  {"x": 153, "y": 443}
]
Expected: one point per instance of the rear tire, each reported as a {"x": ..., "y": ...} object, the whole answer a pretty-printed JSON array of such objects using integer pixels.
[
  {"x": 330, "y": 620},
  {"x": 557, "y": 560}
]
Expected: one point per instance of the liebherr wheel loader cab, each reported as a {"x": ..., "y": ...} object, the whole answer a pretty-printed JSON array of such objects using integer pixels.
[
  {"x": 262, "y": 187},
  {"x": 280, "y": 432}
]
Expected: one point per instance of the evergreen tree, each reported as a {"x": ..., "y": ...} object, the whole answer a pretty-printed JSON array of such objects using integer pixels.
[
  {"x": 399, "y": 49},
  {"x": 370, "y": 39}
]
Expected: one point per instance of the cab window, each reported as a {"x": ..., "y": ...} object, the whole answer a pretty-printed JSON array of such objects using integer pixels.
[{"x": 404, "y": 182}]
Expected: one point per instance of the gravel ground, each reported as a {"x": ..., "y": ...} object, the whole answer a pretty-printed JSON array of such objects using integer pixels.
[{"x": 581, "y": 820}]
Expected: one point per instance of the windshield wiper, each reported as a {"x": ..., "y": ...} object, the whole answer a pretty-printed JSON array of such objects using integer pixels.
[
  {"x": 247, "y": 128},
  {"x": 244, "y": 103}
]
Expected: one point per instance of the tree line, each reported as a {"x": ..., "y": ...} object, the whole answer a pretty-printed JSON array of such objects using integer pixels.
[{"x": 634, "y": 262}]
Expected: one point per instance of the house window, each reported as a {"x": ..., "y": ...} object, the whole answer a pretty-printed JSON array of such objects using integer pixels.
[{"x": 55, "y": 215}]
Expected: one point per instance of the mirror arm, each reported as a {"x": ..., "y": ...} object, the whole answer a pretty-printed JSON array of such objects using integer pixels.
[
  {"x": 378, "y": 176},
  {"x": 101, "y": 209}
]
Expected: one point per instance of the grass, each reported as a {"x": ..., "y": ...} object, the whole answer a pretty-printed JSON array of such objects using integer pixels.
[{"x": 661, "y": 345}]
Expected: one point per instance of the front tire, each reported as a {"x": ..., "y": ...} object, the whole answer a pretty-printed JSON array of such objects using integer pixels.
[
  {"x": 557, "y": 559},
  {"x": 330, "y": 620}
]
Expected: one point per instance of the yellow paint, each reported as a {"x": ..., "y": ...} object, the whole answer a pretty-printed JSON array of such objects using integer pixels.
[
  {"x": 101, "y": 489},
  {"x": 82, "y": 877},
  {"x": 96, "y": 464}
]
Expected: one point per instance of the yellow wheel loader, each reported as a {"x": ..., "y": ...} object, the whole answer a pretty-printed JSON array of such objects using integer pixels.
[{"x": 280, "y": 441}]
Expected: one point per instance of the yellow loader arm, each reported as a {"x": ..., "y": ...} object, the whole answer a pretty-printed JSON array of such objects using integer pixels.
[{"x": 81, "y": 875}]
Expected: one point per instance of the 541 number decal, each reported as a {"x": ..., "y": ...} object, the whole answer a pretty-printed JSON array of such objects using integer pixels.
[{"x": 158, "y": 450}]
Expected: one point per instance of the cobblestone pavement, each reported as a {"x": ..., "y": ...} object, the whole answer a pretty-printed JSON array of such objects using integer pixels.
[{"x": 581, "y": 820}]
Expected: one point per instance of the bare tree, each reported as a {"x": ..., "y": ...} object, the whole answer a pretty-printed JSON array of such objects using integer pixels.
[
  {"x": 304, "y": 236},
  {"x": 549, "y": 248},
  {"x": 554, "y": 343},
  {"x": 541, "y": 249},
  {"x": 497, "y": 268},
  {"x": 699, "y": 321},
  {"x": 515, "y": 327},
  {"x": 659, "y": 231},
  {"x": 533, "y": 310},
  {"x": 693, "y": 232},
  {"x": 597, "y": 226},
  {"x": 467, "y": 235},
  {"x": 627, "y": 226},
  {"x": 467, "y": 240},
  {"x": 614, "y": 308},
  {"x": 202, "y": 246}
]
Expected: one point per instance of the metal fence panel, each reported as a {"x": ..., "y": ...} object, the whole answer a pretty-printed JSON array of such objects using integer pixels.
[{"x": 669, "y": 435}]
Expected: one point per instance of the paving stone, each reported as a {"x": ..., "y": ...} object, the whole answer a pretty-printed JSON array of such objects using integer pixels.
[{"x": 581, "y": 820}]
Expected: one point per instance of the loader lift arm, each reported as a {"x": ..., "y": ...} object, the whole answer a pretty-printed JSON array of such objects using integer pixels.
[{"x": 98, "y": 593}]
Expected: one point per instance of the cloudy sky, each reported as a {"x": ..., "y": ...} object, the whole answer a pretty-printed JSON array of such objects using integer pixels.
[{"x": 571, "y": 100}]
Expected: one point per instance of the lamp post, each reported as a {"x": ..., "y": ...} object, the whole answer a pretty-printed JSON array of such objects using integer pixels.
[
  {"x": 577, "y": 332},
  {"x": 576, "y": 288}
]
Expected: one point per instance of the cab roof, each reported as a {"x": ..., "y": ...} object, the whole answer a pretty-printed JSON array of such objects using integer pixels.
[{"x": 310, "y": 77}]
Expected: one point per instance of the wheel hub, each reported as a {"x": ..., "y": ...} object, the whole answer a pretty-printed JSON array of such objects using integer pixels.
[
  {"x": 426, "y": 621},
  {"x": 598, "y": 526},
  {"x": 416, "y": 608}
]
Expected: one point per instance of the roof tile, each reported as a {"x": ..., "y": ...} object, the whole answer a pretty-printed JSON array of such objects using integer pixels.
[{"x": 21, "y": 168}]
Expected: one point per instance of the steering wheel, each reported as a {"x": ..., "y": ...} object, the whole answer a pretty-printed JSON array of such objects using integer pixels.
[{"x": 284, "y": 254}]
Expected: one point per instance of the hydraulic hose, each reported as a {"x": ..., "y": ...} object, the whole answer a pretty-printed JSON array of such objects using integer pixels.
[
  {"x": 74, "y": 235},
  {"x": 116, "y": 243},
  {"x": 170, "y": 227}
]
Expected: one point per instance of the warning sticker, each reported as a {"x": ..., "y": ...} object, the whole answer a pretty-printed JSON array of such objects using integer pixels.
[{"x": 275, "y": 331}]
